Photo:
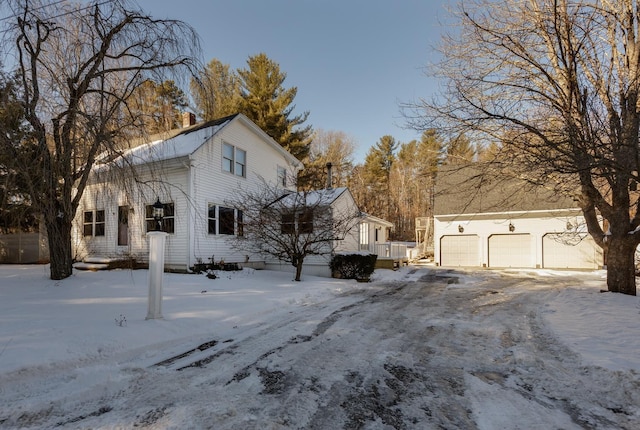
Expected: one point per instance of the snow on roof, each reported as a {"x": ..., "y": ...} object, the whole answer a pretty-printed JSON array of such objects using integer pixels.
[
  {"x": 312, "y": 198},
  {"x": 376, "y": 220},
  {"x": 181, "y": 145}
]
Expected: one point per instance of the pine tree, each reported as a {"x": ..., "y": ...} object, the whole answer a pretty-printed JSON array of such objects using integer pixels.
[
  {"x": 412, "y": 182},
  {"x": 269, "y": 105},
  {"x": 376, "y": 175},
  {"x": 460, "y": 150},
  {"x": 16, "y": 155},
  {"x": 216, "y": 91}
]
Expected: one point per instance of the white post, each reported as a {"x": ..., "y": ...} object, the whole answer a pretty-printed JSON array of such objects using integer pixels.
[{"x": 156, "y": 272}]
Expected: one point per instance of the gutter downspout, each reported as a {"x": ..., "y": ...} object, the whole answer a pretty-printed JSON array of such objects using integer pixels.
[{"x": 190, "y": 212}]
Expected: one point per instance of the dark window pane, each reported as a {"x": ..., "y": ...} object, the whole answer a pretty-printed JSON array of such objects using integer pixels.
[
  {"x": 212, "y": 211},
  {"x": 151, "y": 225},
  {"x": 168, "y": 225},
  {"x": 226, "y": 220},
  {"x": 100, "y": 216},
  {"x": 168, "y": 209},
  {"x": 88, "y": 230},
  {"x": 88, "y": 216},
  {"x": 212, "y": 226},
  {"x": 99, "y": 229},
  {"x": 305, "y": 222},
  {"x": 288, "y": 224},
  {"x": 240, "y": 224}
]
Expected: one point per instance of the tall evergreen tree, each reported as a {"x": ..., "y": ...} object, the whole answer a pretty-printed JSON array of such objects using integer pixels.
[
  {"x": 269, "y": 105},
  {"x": 216, "y": 91},
  {"x": 430, "y": 153},
  {"x": 376, "y": 175},
  {"x": 405, "y": 190},
  {"x": 460, "y": 150},
  {"x": 412, "y": 182},
  {"x": 16, "y": 155}
]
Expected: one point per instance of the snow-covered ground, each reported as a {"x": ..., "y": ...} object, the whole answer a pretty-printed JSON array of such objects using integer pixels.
[{"x": 421, "y": 347}]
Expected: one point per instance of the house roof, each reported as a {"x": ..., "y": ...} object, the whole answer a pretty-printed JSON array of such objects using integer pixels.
[
  {"x": 184, "y": 142},
  {"x": 470, "y": 190},
  {"x": 376, "y": 220},
  {"x": 324, "y": 197}
]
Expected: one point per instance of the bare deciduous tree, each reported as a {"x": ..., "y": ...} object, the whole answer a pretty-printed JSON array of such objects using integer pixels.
[
  {"x": 292, "y": 226},
  {"x": 78, "y": 63},
  {"x": 557, "y": 83},
  {"x": 334, "y": 147}
]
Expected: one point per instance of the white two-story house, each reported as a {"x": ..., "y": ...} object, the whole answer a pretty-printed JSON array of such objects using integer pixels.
[{"x": 192, "y": 172}]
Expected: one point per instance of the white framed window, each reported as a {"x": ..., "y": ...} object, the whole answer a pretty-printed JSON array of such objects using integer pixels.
[
  {"x": 93, "y": 223},
  {"x": 222, "y": 220},
  {"x": 168, "y": 219},
  {"x": 282, "y": 176},
  {"x": 234, "y": 160},
  {"x": 297, "y": 223},
  {"x": 364, "y": 236}
]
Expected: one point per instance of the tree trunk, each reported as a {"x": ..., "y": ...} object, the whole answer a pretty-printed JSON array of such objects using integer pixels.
[
  {"x": 621, "y": 276},
  {"x": 59, "y": 235},
  {"x": 298, "y": 269}
]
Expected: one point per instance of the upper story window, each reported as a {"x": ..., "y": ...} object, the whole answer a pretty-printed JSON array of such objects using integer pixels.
[
  {"x": 234, "y": 160},
  {"x": 93, "y": 223},
  {"x": 168, "y": 219},
  {"x": 282, "y": 176}
]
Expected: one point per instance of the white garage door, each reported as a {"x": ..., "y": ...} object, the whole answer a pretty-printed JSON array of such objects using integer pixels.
[
  {"x": 562, "y": 252},
  {"x": 510, "y": 250},
  {"x": 460, "y": 250}
]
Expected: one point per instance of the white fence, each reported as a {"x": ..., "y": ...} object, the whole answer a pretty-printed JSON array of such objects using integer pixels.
[{"x": 390, "y": 250}]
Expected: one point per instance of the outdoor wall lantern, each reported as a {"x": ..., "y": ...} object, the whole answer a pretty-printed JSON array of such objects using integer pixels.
[
  {"x": 158, "y": 214},
  {"x": 460, "y": 228},
  {"x": 512, "y": 227}
]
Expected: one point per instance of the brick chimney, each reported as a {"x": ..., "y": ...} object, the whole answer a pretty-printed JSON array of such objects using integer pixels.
[
  {"x": 188, "y": 119},
  {"x": 329, "y": 176}
]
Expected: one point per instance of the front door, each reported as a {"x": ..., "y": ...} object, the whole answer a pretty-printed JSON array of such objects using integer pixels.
[{"x": 123, "y": 225}]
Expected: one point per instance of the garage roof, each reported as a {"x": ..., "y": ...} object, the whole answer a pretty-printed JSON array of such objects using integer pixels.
[{"x": 472, "y": 190}]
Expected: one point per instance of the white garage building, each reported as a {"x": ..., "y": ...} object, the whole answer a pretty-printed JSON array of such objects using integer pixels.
[{"x": 501, "y": 225}]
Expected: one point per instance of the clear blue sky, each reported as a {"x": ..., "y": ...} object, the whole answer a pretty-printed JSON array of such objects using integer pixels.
[{"x": 353, "y": 61}]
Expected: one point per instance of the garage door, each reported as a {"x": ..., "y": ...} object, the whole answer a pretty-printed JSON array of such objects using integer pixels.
[
  {"x": 562, "y": 252},
  {"x": 460, "y": 250},
  {"x": 510, "y": 250}
]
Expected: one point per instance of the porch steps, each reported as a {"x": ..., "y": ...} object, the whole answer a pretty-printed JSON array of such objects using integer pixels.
[
  {"x": 104, "y": 263},
  {"x": 83, "y": 265}
]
